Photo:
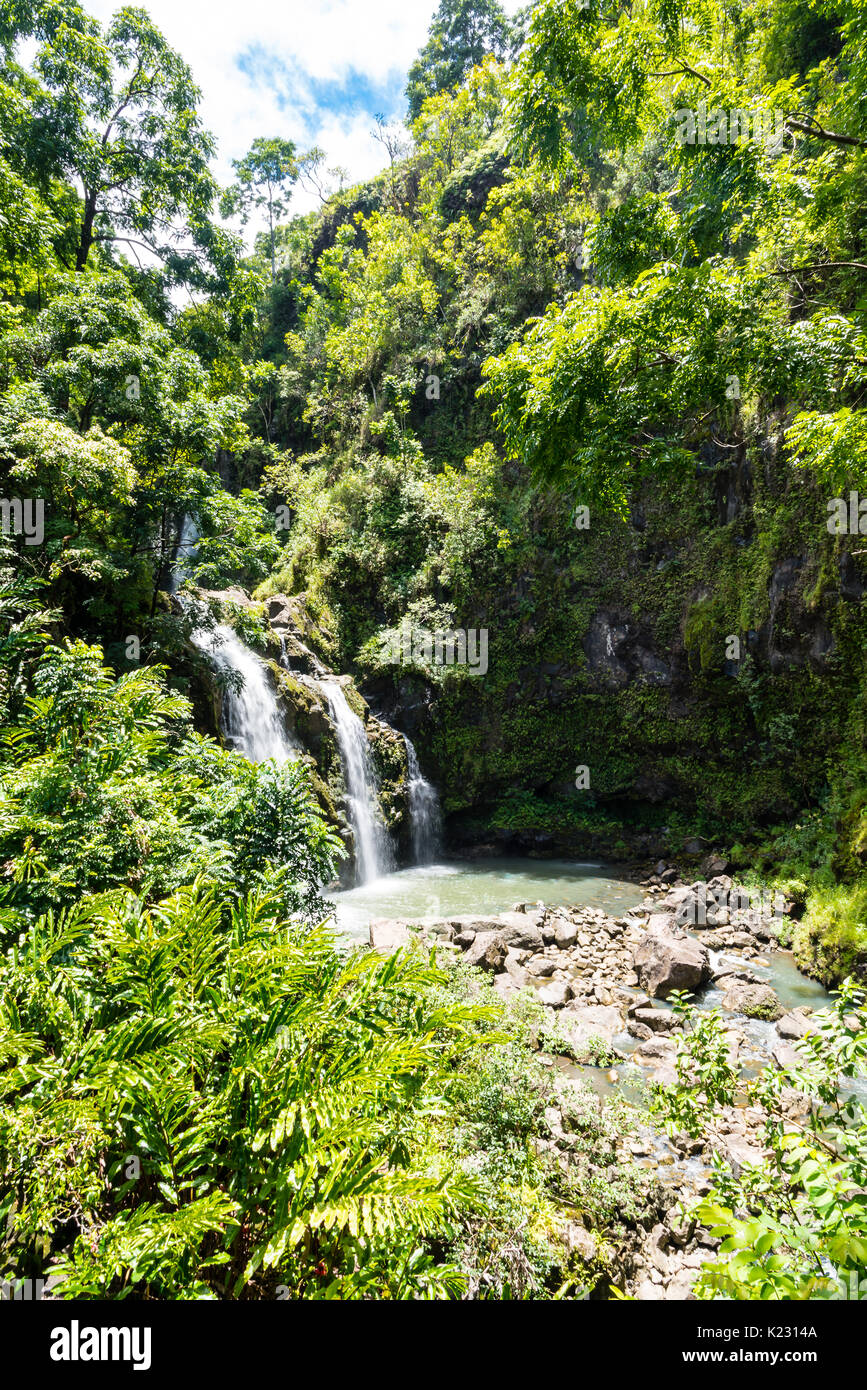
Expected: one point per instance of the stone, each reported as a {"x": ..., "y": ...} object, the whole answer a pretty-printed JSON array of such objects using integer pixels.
[
  {"x": 581, "y": 1022},
  {"x": 504, "y": 984},
  {"x": 444, "y": 930},
  {"x": 665, "y": 960},
  {"x": 555, "y": 994},
  {"x": 387, "y": 934},
  {"x": 515, "y": 969},
  {"x": 642, "y": 1001},
  {"x": 525, "y": 938},
  {"x": 756, "y": 1001},
  {"x": 541, "y": 966},
  {"x": 796, "y": 1023},
  {"x": 785, "y": 1056},
  {"x": 565, "y": 933},
  {"x": 638, "y": 1030},
  {"x": 676, "y": 896},
  {"x": 579, "y": 1241},
  {"x": 657, "y": 1020},
  {"x": 737, "y": 1151},
  {"x": 715, "y": 865},
  {"x": 465, "y": 938},
  {"x": 488, "y": 951},
  {"x": 649, "y": 1292},
  {"x": 660, "y": 921},
  {"x": 656, "y": 1050},
  {"x": 739, "y": 940}
]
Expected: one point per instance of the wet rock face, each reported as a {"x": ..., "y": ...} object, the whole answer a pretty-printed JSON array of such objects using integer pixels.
[
  {"x": 794, "y": 635},
  {"x": 617, "y": 653}
]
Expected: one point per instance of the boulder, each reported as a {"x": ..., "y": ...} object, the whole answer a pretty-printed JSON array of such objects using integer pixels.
[
  {"x": 641, "y": 1001},
  {"x": 638, "y": 1030},
  {"x": 737, "y": 1151},
  {"x": 656, "y": 1051},
  {"x": 488, "y": 951},
  {"x": 657, "y": 1020},
  {"x": 666, "y": 959},
  {"x": 660, "y": 921},
  {"x": 541, "y": 966},
  {"x": 756, "y": 1001},
  {"x": 565, "y": 933},
  {"x": 525, "y": 937},
  {"x": 387, "y": 934},
  {"x": 579, "y": 1241},
  {"x": 785, "y": 1056},
  {"x": 676, "y": 896},
  {"x": 555, "y": 994},
  {"x": 715, "y": 865},
  {"x": 739, "y": 940},
  {"x": 796, "y": 1023},
  {"x": 581, "y": 1022},
  {"x": 504, "y": 984},
  {"x": 515, "y": 969}
]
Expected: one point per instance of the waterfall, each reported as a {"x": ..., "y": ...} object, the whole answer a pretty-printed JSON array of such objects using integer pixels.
[
  {"x": 185, "y": 550},
  {"x": 424, "y": 811},
  {"x": 373, "y": 856},
  {"x": 250, "y": 719}
]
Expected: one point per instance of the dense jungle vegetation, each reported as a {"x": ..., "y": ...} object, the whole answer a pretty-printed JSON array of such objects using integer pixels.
[{"x": 552, "y": 373}]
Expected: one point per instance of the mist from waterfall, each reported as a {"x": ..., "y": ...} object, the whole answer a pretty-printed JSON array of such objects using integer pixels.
[
  {"x": 424, "y": 811},
  {"x": 373, "y": 851}
]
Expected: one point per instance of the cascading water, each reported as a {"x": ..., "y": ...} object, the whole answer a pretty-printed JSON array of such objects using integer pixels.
[
  {"x": 250, "y": 717},
  {"x": 373, "y": 854},
  {"x": 185, "y": 550},
  {"x": 424, "y": 811}
]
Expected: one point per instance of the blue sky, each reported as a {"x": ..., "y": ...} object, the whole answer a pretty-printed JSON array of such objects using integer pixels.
[{"x": 312, "y": 71}]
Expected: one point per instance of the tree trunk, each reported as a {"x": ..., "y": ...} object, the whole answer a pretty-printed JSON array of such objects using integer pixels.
[{"x": 86, "y": 240}]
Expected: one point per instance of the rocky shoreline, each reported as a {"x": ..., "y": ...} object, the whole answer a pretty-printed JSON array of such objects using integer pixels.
[{"x": 604, "y": 982}]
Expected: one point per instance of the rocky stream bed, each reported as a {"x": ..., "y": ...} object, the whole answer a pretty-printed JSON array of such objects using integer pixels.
[{"x": 605, "y": 981}]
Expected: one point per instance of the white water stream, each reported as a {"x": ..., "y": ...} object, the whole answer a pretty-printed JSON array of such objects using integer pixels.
[
  {"x": 373, "y": 852},
  {"x": 424, "y": 811},
  {"x": 250, "y": 718}
]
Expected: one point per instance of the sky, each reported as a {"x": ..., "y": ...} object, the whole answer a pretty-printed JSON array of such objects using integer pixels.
[{"x": 312, "y": 71}]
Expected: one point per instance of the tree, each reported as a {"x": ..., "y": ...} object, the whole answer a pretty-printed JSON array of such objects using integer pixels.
[
  {"x": 265, "y": 177},
  {"x": 115, "y": 113},
  {"x": 463, "y": 33},
  {"x": 105, "y": 418}
]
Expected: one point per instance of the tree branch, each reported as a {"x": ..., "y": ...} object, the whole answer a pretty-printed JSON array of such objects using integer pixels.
[
  {"x": 822, "y": 134},
  {"x": 679, "y": 72}
]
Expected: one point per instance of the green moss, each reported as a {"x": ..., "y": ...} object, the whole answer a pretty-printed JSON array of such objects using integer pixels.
[{"x": 831, "y": 940}]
